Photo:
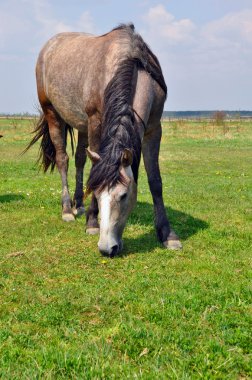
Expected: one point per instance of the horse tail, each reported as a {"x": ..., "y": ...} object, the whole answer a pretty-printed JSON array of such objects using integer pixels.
[{"x": 47, "y": 152}]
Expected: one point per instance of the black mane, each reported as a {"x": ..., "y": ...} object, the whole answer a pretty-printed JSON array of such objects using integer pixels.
[{"x": 119, "y": 129}]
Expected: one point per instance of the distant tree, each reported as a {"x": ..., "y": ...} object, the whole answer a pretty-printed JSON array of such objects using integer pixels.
[{"x": 219, "y": 117}]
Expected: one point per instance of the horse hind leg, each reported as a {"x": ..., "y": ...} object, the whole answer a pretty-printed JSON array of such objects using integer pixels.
[
  {"x": 57, "y": 131},
  {"x": 80, "y": 160}
]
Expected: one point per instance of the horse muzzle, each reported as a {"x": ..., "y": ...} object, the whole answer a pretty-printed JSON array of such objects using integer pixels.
[{"x": 110, "y": 250}]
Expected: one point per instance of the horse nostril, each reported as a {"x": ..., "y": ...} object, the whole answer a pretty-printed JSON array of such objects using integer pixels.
[{"x": 114, "y": 250}]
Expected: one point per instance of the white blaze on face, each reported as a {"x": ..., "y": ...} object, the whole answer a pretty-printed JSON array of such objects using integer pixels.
[
  {"x": 105, "y": 208},
  {"x": 114, "y": 211},
  {"x": 107, "y": 239}
]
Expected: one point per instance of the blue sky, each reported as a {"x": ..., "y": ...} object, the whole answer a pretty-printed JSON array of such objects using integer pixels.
[{"x": 204, "y": 46}]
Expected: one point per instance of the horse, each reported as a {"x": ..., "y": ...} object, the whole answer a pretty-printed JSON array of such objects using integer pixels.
[{"x": 111, "y": 89}]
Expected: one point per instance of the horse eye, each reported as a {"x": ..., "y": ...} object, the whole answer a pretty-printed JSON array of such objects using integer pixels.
[{"x": 123, "y": 197}]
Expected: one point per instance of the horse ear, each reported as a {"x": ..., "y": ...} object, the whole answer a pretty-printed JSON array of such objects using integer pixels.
[
  {"x": 94, "y": 157},
  {"x": 127, "y": 157}
]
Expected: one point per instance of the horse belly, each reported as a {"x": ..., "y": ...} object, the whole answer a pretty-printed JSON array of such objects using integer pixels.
[
  {"x": 68, "y": 104},
  {"x": 73, "y": 116}
]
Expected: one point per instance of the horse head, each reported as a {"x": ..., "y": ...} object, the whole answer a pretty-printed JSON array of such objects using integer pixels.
[{"x": 115, "y": 204}]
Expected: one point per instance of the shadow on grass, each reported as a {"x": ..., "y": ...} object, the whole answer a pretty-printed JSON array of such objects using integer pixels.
[
  {"x": 183, "y": 224},
  {"x": 7, "y": 198}
]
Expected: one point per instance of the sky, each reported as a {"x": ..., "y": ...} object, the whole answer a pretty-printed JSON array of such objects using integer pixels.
[{"x": 204, "y": 46}]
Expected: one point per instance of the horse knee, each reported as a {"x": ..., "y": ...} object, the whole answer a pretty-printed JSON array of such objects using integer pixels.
[
  {"x": 62, "y": 160},
  {"x": 80, "y": 159},
  {"x": 155, "y": 185}
]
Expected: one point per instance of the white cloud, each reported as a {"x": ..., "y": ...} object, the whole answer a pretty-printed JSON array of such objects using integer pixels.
[
  {"x": 227, "y": 43},
  {"x": 86, "y": 23},
  {"x": 215, "y": 57},
  {"x": 232, "y": 30},
  {"x": 50, "y": 25},
  {"x": 164, "y": 25},
  {"x": 25, "y": 25},
  {"x": 236, "y": 26},
  {"x": 10, "y": 26},
  {"x": 33, "y": 22}
]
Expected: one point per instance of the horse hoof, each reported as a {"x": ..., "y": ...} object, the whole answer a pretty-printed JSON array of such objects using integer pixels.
[
  {"x": 68, "y": 217},
  {"x": 92, "y": 230},
  {"x": 79, "y": 211},
  {"x": 172, "y": 244}
]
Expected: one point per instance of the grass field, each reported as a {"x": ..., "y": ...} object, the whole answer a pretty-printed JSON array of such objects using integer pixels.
[{"x": 68, "y": 313}]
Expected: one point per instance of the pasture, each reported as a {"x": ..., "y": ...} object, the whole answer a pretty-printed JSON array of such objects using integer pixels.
[{"x": 66, "y": 312}]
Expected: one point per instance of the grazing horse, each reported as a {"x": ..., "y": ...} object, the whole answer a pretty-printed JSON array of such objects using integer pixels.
[{"x": 112, "y": 90}]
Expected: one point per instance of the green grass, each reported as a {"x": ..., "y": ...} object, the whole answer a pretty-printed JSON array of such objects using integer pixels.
[{"x": 68, "y": 313}]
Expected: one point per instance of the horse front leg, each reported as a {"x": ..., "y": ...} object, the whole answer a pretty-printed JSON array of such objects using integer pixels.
[
  {"x": 80, "y": 160},
  {"x": 150, "y": 149},
  {"x": 93, "y": 227},
  {"x": 57, "y": 132},
  {"x": 94, "y": 138}
]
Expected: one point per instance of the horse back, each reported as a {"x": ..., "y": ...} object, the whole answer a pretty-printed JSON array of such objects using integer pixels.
[{"x": 73, "y": 70}]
